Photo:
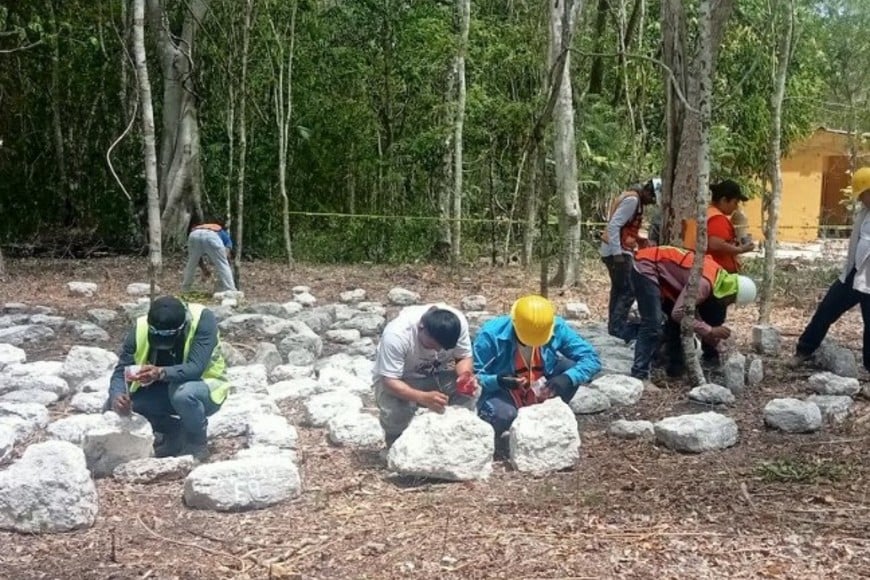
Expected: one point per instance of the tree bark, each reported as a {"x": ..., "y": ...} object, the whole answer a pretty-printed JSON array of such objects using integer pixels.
[
  {"x": 148, "y": 145},
  {"x": 447, "y": 182},
  {"x": 283, "y": 116},
  {"x": 243, "y": 143},
  {"x": 773, "y": 201},
  {"x": 563, "y": 16},
  {"x": 464, "y": 10},
  {"x": 596, "y": 72},
  {"x": 57, "y": 123}
]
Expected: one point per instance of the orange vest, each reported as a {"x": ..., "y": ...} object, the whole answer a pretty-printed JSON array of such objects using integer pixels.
[
  {"x": 212, "y": 227},
  {"x": 525, "y": 396},
  {"x": 683, "y": 259},
  {"x": 628, "y": 233},
  {"x": 690, "y": 237}
]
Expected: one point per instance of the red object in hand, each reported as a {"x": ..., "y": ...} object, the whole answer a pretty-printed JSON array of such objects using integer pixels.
[{"x": 465, "y": 385}]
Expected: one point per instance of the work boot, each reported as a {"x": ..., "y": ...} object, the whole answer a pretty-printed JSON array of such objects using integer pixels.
[
  {"x": 502, "y": 447},
  {"x": 171, "y": 445},
  {"x": 196, "y": 445},
  {"x": 798, "y": 360}
]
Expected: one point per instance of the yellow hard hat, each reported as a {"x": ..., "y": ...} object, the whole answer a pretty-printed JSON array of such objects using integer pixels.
[
  {"x": 860, "y": 181},
  {"x": 533, "y": 317}
]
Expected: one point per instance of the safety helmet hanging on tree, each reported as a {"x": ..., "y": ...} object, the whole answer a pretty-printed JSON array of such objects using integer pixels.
[{"x": 533, "y": 318}]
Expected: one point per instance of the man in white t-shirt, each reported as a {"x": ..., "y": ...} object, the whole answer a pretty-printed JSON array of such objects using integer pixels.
[{"x": 421, "y": 354}]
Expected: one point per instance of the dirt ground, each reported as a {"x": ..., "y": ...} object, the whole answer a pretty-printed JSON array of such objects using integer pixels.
[{"x": 773, "y": 506}]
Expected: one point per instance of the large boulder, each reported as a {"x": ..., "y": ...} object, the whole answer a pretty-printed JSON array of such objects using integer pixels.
[
  {"x": 544, "y": 438},
  {"x": 343, "y": 336},
  {"x": 834, "y": 408},
  {"x": 826, "y": 383},
  {"x": 305, "y": 299},
  {"x": 25, "y": 334},
  {"x": 587, "y": 401},
  {"x": 154, "y": 469},
  {"x": 48, "y": 490},
  {"x": 455, "y": 445},
  {"x": 34, "y": 369},
  {"x": 403, "y": 297},
  {"x": 355, "y": 429},
  {"x": 256, "y": 325},
  {"x": 250, "y": 379},
  {"x": 267, "y": 355},
  {"x": 242, "y": 484},
  {"x": 23, "y": 418},
  {"x": 233, "y": 357},
  {"x": 31, "y": 396},
  {"x": 84, "y": 363},
  {"x": 102, "y": 316},
  {"x": 117, "y": 441},
  {"x": 296, "y": 389},
  {"x": 238, "y": 412},
  {"x": 300, "y": 338},
  {"x": 89, "y": 402},
  {"x": 11, "y": 355},
  {"x": 577, "y": 311},
  {"x": 620, "y": 389},
  {"x": 317, "y": 319},
  {"x": 73, "y": 429},
  {"x": 712, "y": 394},
  {"x": 319, "y": 409},
  {"x": 48, "y": 383},
  {"x": 88, "y": 332},
  {"x": 834, "y": 358},
  {"x": 272, "y": 431},
  {"x": 49, "y": 320},
  {"x": 765, "y": 340},
  {"x": 793, "y": 415},
  {"x": 367, "y": 324},
  {"x": 697, "y": 433}
]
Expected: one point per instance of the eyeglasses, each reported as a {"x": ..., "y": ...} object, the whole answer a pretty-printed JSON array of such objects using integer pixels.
[{"x": 165, "y": 333}]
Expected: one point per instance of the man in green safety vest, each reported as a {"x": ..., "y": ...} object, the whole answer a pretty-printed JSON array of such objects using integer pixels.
[{"x": 171, "y": 371}]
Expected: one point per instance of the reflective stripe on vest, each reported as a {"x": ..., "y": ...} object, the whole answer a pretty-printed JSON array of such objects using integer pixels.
[
  {"x": 525, "y": 396},
  {"x": 628, "y": 233},
  {"x": 213, "y": 376},
  {"x": 683, "y": 258}
]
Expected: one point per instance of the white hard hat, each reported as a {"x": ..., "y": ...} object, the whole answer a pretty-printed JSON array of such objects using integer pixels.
[{"x": 746, "y": 290}]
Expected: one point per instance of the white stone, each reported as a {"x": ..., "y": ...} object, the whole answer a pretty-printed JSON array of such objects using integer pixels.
[
  {"x": 133, "y": 310},
  {"x": 352, "y": 296},
  {"x": 89, "y": 332},
  {"x": 765, "y": 340},
  {"x": 141, "y": 289},
  {"x": 793, "y": 415},
  {"x": 834, "y": 408},
  {"x": 234, "y": 294},
  {"x": 258, "y": 325},
  {"x": 154, "y": 469},
  {"x": 25, "y": 333},
  {"x": 588, "y": 401},
  {"x": 697, "y": 433},
  {"x": 826, "y": 383},
  {"x": 577, "y": 311},
  {"x": 48, "y": 320},
  {"x": 232, "y": 356},
  {"x": 102, "y": 316},
  {"x": 754, "y": 371},
  {"x": 474, "y": 303},
  {"x": 48, "y": 383},
  {"x": 624, "y": 429},
  {"x": 84, "y": 363},
  {"x": 11, "y": 355},
  {"x": 340, "y": 379},
  {"x": 836, "y": 359},
  {"x": 620, "y": 389},
  {"x": 301, "y": 289},
  {"x": 305, "y": 299},
  {"x": 544, "y": 438},
  {"x": 267, "y": 355},
  {"x": 734, "y": 373},
  {"x": 356, "y": 430},
  {"x": 242, "y": 484},
  {"x": 318, "y": 319},
  {"x": 300, "y": 337},
  {"x": 98, "y": 385},
  {"x": 117, "y": 441},
  {"x": 372, "y": 307},
  {"x": 364, "y": 347},
  {"x": 456, "y": 445},
  {"x": 237, "y": 412},
  {"x": 8, "y": 438},
  {"x": 712, "y": 394},
  {"x": 289, "y": 372},
  {"x": 248, "y": 379},
  {"x": 292, "y": 307},
  {"x": 34, "y": 369},
  {"x": 284, "y": 310},
  {"x": 343, "y": 335},
  {"x": 88, "y": 402},
  {"x": 272, "y": 431},
  {"x": 265, "y": 451},
  {"x": 87, "y": 289},
  {"x": 403, "y": 297},
  {"x": 73, "y": 429},
  {"x": 296, "y": 389},
  {"x": 24, "y": 418},
  {"x": 31, "y": 396},
  {"x": 319, "y": 409},
  {"x": 357, "y": 365},
  {"x": 48, "y": 490},
  {"x": 368, "y": 324}
]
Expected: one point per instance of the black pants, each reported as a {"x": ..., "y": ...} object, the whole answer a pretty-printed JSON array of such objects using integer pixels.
[
  {"x": 841, "y": 297},
  {"x": 714, "y": 312},
  {"x": 621, "y": 298}
]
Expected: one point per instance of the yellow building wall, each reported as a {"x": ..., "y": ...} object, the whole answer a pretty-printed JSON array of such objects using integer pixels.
[{"x": 802, "y": 173}]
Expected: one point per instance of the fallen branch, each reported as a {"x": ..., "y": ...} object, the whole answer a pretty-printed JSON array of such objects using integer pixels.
[{"x": 187, "y": 544}]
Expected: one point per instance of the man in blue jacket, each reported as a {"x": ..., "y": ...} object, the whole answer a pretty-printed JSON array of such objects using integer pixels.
[{"x": 526, "y": 358}]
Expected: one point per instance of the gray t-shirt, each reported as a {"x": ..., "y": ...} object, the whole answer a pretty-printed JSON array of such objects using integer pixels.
[
  {"x": 400, "y": 354},
  {"x": 624, "y": 213}
]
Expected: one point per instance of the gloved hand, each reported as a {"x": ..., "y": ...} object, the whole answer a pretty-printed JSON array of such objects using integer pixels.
[
  {"x": 559, "y": 384},
  {"x": 510, "y": 382}
]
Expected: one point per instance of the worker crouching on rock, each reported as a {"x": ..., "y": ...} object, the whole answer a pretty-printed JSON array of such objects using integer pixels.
[
  {"x": 171, "y": 371},
  {"x": 526, "y": 358}
]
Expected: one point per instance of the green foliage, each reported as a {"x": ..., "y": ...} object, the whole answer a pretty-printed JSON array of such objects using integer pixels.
[{"x": 801, "y": 470}]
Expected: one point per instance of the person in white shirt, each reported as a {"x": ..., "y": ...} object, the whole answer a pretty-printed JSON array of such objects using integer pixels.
[
  {"x": 423, "y": 353},
  {"x": 853, "y": 285}
]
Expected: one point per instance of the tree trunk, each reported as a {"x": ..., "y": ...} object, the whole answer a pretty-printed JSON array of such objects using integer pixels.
[
  {"x": 596, "y": 73},
  {"x": 2, "y": 265},
  {"x": 149, "y": 150},
  {"x": 530, "y": 231},
  {"x": 230, "y": 125},
  {"x": 180, "y": 170},
  {"x": 283, "y": 116},
  {"x": 774, "y": 199},
  {"x": 243, "y": 143},
  {"x": 464, "y": 9},
  {"x": 701, "y": 119},
  {"x": 563, "y": 15},
  {"x": 57, "y": 124},
  {"x": 447, "y": 182}
]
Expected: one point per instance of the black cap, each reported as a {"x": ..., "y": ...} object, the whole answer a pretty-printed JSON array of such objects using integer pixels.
[
  {"x": 727, "y": 189},
  {"x": 166, "y": 319}
]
